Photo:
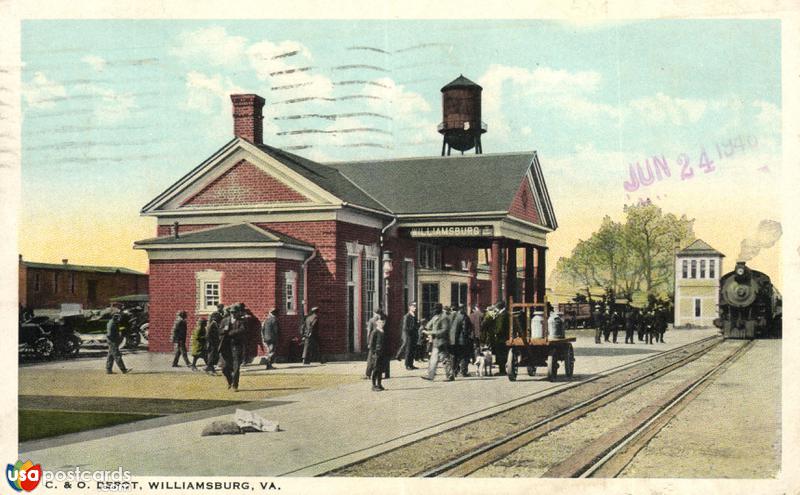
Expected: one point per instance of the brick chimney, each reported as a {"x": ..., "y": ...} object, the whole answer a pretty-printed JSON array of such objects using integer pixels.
[{"x": 247, "y": 117}]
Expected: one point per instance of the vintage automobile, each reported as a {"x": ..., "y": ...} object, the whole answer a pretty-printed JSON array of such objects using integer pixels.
[{"x": 46, "y": 338}]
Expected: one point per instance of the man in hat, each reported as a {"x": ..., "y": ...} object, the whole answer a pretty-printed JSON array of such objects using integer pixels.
[
  {"x": 179, "y": 331},
  {"x": 212, "y": 341},
  {"x": 269, "y": 334},
  {"x": 311, "y": 337},
  {"x": 114, "y": 337},
  {"x": 408, "y": 327},
  {"x": 439, "y": 330},
  {"x": 231, "y": 346}
]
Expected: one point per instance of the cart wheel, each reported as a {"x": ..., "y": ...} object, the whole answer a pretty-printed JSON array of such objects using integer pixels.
[
  {"x": 531, "y": 371},
  {"x": 552, "y": 366},
  {"x": 44, "y": 348},
  {"x": 511, "y": 366},
  {"x": 569, "y": 362}
]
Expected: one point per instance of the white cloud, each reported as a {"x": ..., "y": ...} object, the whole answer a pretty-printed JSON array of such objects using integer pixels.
[
  {"x": 41, "y": 92},
  {"x": 663, "y": 109},
  {"x": 97, "y": 63},
  {"x": 213, "y": 45},
  {"x": 541, "y": 87},
  {"x": 111, "y": 106}
]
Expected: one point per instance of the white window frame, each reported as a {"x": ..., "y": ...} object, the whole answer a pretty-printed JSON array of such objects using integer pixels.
[
  {"x": 712, "y": 269},
  {"x": 290, "y": 292},
  {"x": 203, "y": 279}
]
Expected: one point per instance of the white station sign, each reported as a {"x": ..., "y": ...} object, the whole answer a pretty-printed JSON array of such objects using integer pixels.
[{"x": 453, "y": 231}]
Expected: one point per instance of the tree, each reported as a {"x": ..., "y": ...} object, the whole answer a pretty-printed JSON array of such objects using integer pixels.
[
  {"x": 626, "y": 258},
  {"x": 654, "y": 238}
]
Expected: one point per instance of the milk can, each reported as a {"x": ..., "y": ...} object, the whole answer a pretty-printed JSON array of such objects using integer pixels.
[
  {"x": 537, "y": 325},
  {"x": 555, "y": 326}
]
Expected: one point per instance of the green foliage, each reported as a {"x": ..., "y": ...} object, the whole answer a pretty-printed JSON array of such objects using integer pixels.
[{"x": 632, "y": 257}]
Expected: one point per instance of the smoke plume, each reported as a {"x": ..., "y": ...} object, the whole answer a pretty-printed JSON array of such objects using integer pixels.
[{"x": 767, "y": 234}]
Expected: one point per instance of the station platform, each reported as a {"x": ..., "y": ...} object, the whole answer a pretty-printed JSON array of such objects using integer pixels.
[{"x": 336, "y": 420}]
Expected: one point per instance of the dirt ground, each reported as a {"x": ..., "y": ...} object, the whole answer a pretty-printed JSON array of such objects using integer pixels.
[
  {"x": 255, "y": 384},
  {"x": 732, "y": 430}
]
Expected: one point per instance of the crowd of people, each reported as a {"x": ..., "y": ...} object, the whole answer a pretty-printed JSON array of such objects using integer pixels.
[
  {"x": 223, "y": 341},
  {"x": 453, "y": 336}
]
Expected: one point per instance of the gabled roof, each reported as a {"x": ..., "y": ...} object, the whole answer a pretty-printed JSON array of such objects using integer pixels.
[
  {"x": 82, "y": 268},
  {"x": 326, "y": 177},
  {"x": 460, "y": 82},
  {"x": 466, "y": 184},
  {"x": 454, "y": 184},
  {"x": 241, "y": 233},
  {"x": 699, "y": 248}
]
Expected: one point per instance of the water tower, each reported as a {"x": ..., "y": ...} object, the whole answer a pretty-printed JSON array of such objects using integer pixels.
[{"x": 461, "y": 124}]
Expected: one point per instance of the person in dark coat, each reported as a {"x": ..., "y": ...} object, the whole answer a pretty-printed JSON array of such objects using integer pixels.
[
  {"x": 269, "y": 334},
  {"x": 377, "y": 351},
  {"x": 630, "y": 325},
  {"x": 476, "y": 319},
  {"x": 421, "y": 349},
  {"x": 199, "y": 343},
  {"x": 660, "y": 325},
  {"x": 212, "y": 342},
  {"x": 371, "y": 328},
  {"x": 598, "y": 318},
  {"x": 499, "y": 347},
  {"x": 231, "y": 346},
  {"x": 311, "y": 337},
  {"x": 408, "y": 331},
  {"x": 463, "y": 342},
  {"x": 179, "y": 331},
  {"x": 114, "y": 338}
]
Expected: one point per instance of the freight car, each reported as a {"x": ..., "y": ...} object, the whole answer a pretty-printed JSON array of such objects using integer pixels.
[{"x": 750, "y": 306}]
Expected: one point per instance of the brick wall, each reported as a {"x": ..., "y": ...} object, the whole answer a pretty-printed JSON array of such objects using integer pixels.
[
  {"x": 524, "y": 205},
  {"x": 244, "y": 183},
  {"x": 173, "y": 288},
  {"x": 173, "y": 284},
  {"x": 107, "y": 285}
]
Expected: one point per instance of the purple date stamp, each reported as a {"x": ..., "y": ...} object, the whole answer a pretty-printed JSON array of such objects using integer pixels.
[{"x": 689, "y": 165}]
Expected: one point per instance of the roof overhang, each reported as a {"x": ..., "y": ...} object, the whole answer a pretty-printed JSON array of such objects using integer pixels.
[
  {"x": 480, "y": 227},
  {"x": 232, "y": 250}
]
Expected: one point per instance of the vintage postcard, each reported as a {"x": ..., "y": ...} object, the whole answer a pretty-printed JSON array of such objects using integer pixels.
[{"x": 348, "y": 247}]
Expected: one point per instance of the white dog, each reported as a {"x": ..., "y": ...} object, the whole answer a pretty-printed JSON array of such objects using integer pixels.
[{"x": 484, "y": 362}]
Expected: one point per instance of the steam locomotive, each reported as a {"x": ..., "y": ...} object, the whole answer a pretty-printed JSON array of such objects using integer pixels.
[{"x": 750, "y": 307}]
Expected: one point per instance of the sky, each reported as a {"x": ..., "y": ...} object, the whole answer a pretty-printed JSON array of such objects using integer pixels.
[{"x": 114, "y": 111}]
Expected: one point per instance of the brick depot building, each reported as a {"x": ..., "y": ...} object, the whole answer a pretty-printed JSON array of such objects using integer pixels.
[
  {"x": 49, "y": 285},
  {"x": 262, "y": 226}
]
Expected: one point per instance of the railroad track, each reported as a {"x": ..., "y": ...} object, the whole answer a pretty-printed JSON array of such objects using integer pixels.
[
  {"x": 472, "y": 455},
  {"x": 608, "y": 455}
]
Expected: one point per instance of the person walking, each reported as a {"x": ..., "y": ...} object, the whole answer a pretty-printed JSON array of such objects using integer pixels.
[
  {"x": 439, "y": 330},
  {"x": 179, "y": 339},
  {"x": 114, "y": 338},
  {"x": 231, "y": 346},
  {"x": 269, "y": 335},
  {"x": 199, "y": 342},
  {"x": 212, "y": 342},
  {"x": 502, "y": 320},
  {"x": 311, "y": 337},
  {"x": 408, "y": 327},
  {"x": 376, "y": 353}
]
